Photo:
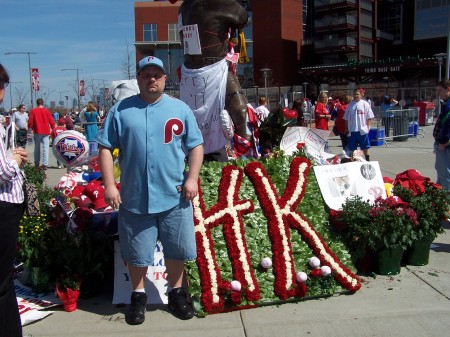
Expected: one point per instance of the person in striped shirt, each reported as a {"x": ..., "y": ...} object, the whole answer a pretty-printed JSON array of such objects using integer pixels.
[{"x": 11, "y": 210}]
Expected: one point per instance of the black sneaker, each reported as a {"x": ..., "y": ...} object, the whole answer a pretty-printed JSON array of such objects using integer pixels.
[
  {"x": 180, "y": 303},
  {"x": 136, "y": 311}
]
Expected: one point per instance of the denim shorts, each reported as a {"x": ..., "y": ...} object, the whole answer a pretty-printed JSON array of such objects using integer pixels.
[{"x": 138, "y": 234}]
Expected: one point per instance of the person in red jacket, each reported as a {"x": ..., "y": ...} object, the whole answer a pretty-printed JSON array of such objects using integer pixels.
[
  {"x": 322, "y": 114},
  {"x": 339, "y": 121},
  {"x": 41, "y": 123}
]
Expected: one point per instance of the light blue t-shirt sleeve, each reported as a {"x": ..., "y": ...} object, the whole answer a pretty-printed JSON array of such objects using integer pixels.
[{"x": 193, "y": 136}]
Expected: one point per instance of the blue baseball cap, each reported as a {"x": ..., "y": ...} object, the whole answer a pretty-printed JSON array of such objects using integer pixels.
[{"x": 150, "y": 61}]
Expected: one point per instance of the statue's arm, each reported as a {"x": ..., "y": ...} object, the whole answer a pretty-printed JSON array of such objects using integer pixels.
[{"x": 234, "y": 13}]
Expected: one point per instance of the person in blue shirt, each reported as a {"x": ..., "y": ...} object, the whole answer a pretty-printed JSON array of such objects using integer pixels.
[
  {"x": 387, "y": 114},
  {"x": 154, "y": 134},
  {"x": 92, "y": 119},
  {"x": 55, "y": 116}
]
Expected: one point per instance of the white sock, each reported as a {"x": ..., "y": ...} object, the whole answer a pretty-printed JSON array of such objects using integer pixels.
[{"x": 141, "y": 290}]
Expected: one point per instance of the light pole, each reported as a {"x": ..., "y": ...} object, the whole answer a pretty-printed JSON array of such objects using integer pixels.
[
  {"x": 42, "y": 94},
  {"x": 78, "y": 85},
  {"x": 265, "y": 72},
  {"x": 256, "y": 94},
  {"x": 305, "y": 85},
  {"x": 386, "y": 79},
  {"x": 60, "y": 97},
  {"x": 10, "y": 92},
  {"x": 440, "y": 58},
  {"x": 29, "y": 70}
]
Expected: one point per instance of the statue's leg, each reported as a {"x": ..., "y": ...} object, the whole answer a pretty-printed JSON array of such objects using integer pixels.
[{"x": 236, "y": 105}]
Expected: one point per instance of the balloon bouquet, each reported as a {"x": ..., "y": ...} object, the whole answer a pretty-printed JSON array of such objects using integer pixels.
[{"x": 82, "y": 183}]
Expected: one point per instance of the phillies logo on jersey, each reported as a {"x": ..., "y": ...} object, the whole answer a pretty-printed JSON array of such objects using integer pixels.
[{"x": 173, "y": 127}]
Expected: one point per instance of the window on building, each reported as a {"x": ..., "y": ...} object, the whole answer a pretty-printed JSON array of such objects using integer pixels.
[
  {"x": 248, "y": 29},
  {"x": 389, "y": 20},
  {"x": 150, "y": 32},
  {"x": 308, "y": 21},
  {"x": 425, "y": 4},
  {"x": 173, "y": 32}
]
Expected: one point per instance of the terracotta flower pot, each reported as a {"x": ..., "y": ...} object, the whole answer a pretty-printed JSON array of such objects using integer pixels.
[{"x": 69, "y": 298}]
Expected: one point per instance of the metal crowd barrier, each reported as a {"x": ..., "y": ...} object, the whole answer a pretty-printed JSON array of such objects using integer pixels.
[{"x": 396, "y": 125}]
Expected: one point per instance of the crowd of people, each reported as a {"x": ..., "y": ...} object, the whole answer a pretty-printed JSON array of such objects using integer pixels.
[
  {"x": 155, "y": 112},
  {"x": 154, "y": 201},
  {"x": 40, "y": 126}
]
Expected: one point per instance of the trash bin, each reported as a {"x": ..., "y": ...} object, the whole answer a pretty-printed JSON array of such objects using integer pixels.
[
  {"x": 413, "y": 129},
  {"x": 376, "y": 136},
  {"x": 426, "y": 110},
  {"x": 401, "y": 123}
]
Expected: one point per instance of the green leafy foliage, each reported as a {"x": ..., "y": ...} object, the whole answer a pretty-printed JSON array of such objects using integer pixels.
[
  {"x": 46, "y": 242},
  {"x": 34, "y": 230},
  {"x": 272, "y": 129},
  {"x": 381, "y": 225},
  {"x": 431, "y": 208},
  {"x": 69, "y": 281},
  {"x": 34, "y": 174},
  {"x": 256, "y": 235}
]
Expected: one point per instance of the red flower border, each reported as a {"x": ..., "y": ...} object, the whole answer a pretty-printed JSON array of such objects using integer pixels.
[{"x": 229, "y": 211}]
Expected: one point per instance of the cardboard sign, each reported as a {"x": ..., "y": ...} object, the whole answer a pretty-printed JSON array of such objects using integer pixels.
[
  {"x": 191, "y": 40},
  {"x": 315, "y": 140},
  {"x": 339, "y": 182},
  {"x": 29, "y": 303},
  {"x": 155, "y": 283}
]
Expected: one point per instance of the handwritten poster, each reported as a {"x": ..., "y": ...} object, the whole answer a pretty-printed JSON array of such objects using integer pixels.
[
  {"x": 191, "y": 40},
  {"x": 342, "y": 181}
]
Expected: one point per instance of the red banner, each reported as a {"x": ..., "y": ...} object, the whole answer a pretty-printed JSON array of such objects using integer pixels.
[
  {"x": 35, "y": 79},
  {"x": 82, "y": 92}
]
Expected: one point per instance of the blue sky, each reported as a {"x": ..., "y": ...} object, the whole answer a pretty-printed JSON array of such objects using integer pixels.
[{"x": 91, "y": 35}]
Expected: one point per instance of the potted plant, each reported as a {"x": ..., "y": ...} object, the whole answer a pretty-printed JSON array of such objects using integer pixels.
[
  {"x": 49, "y": 245},
  {"x": 35, "y": 235},
  {"x": 33, "y": 251},
  {"x": 383, "y": 230},
  {"x": 431, "y": 207},
  {"x": 68, "y": 291}
]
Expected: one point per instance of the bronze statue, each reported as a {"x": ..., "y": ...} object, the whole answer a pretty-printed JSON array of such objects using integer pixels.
[{"x": 206, "y": 28}]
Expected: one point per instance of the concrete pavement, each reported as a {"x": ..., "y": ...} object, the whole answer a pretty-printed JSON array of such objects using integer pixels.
[{"x": 414, "y": 303}]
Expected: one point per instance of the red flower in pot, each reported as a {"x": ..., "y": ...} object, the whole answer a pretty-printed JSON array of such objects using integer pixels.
[{"x": 68, "y": 291}]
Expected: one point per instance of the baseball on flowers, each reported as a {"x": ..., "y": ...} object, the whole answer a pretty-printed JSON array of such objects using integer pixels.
[
  {"x": 326, "y": 270},
  {"x": 301, "y": 277},
  {"x": 236, "y": 285},
  {"x": 314, "y": 262},
  {"x": 266, "y": 262}
]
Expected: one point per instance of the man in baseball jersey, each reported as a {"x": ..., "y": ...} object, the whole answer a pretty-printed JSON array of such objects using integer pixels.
[
  {"x": 154, "y": 133},
  {"x": 357, "y": 118}
]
